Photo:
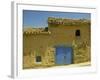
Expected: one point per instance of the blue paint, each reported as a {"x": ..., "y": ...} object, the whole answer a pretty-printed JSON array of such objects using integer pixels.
[
  {"x": 59, "y": 55},
  {"x": 63, "y": 55}
]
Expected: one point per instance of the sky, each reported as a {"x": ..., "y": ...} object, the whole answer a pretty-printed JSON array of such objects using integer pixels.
[{"x": 38, "y": 19}]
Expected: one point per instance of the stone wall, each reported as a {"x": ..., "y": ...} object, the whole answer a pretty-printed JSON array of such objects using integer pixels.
[
  {"x": 49, "y": 58},
  {"x": 42, "y": 43},
  {"x": 81, "y": 52},
  {"x": 29, "y": 61}
]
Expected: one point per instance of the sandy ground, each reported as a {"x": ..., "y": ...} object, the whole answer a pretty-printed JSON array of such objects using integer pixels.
[
  {"x": 76, "y": 65},
  {"x": 64, "y": 66}
]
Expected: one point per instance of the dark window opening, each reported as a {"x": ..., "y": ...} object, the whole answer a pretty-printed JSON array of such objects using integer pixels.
[
  {"x": 77, "y": 33},
  {"x": 46, "y": 29},
  {"x": 38, "y": 58}
]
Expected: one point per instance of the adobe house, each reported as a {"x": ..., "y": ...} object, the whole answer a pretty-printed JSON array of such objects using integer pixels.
[{"x": 63, "y": 42}]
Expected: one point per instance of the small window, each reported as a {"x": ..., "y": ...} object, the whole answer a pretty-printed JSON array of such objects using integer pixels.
[
  {"x": 77, "y": 33},
  {"x": 38, "y": 58}
]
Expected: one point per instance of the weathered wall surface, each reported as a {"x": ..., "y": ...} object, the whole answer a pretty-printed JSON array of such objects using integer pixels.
[
  {"x": 44, "y": 45},
  {"x": 81, "y": 52},
  {"x": 67, "y": 33}
]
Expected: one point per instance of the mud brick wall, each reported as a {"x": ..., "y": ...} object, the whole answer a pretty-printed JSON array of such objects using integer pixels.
[
  {"x": 48, "y": 59},
  {"x": 43, "y": 44},
  {"x": 28, "y": 61}
]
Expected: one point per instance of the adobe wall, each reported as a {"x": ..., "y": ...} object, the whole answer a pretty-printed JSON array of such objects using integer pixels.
[{"x": 44, "y": 45}]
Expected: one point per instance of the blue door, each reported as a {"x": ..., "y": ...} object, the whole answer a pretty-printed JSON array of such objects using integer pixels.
[
  {"x": 68, "y": 55},
  {"x": 59, "y": 55},
  {"x": 63, "y": 55}
]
